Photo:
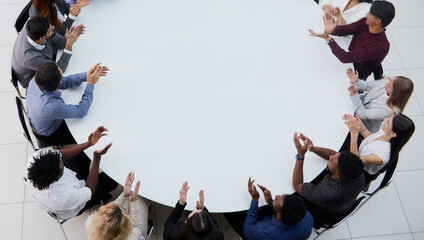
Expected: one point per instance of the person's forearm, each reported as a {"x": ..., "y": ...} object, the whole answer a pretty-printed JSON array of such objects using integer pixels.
[
  {"x": 298, "y": 176},
  {"x": 354, "y": 143},
  {"x": 324, "y": 153},
  {"x": 93, "y": 175},
  {"x": 341, "y": 21},
  {"x": 71, "y": 151}
]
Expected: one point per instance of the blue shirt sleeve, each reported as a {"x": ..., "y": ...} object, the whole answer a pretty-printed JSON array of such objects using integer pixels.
[
  {"x": 73, "y": 80},
  {"x": 60, "y": 110},
  {"x": 250, "y": 229}
]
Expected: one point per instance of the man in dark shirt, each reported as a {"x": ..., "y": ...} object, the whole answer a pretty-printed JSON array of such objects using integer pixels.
[
  {"x": 369, "y": 45},
  {"x": 335, "y": 191}
]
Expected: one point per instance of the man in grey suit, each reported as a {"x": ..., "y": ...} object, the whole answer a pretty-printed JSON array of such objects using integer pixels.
[{"x": 34, "y": 47}]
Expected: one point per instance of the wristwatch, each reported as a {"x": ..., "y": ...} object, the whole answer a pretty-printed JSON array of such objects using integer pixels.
[
  {"x": 330, "y": 41},
  {"x": 299, "y": 158}
]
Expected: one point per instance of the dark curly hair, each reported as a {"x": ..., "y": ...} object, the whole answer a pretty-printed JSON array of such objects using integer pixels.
[
  {"x": 293, "y": 210},
  {"x": 45, "y": 170},
  {"x": 350, "y": 165}
]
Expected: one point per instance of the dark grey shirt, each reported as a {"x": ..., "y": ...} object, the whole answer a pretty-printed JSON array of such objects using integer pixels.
[
  {"x": 26, "y": 58},
  {"x": 334, "y": 196}
]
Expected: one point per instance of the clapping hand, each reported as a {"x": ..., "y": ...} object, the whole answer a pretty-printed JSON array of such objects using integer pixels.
[
  {"x": 183, "y": 193},
  {"x": 252, "y": 189},
  {"x": 99, "y": 153},
  {"x": 128, "y": 184},
  {"x": 96, "y": 135},
  {"x": 353, "y": 90},
  {"x": 134, "y": 195},
  {"x": 267, "y": 194},
  {"x": 352, "y": 75},
  {"x": 74, "y": 10},
  {"x": 329, "y": 23},
  {"x": 97, "y": 71},
  {"x": 200, "y": 205},
  {"x": 308, "y": 142},
  {"x": 82, "y": 3},
  {"x": 301, "y": 149},
  {"x": 353, "y": 123}
]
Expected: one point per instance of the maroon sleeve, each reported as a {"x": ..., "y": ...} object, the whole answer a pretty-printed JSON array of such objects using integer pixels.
[
  {"x": 349, "y": 29},
  {"x": 370, "y": 52}
]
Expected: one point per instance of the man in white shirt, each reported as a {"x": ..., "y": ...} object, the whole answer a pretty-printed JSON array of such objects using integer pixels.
[{"x": 57, "y": 188}]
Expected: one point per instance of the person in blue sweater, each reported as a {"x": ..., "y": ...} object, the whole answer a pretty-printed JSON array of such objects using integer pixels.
[{"x": 287, "y": 217}]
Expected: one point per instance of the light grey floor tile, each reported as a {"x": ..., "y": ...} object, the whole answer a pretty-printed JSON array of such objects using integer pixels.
[
  {"x": 382, "y": 214},
  {"x": 417, "y": 76},
  {"x": 408, "y": 158},
  {"x": 39, "y": 225},
  {"x": 392, "y": 60},
  {"x": 340, "y": 232},
  {"x": 408, "y": 13},
  {"x": 408, "y": 42},
  {"x": 11, "y": 220},
  {"x": 411, "y": 192},
  {"x": 419, "y": 235},
  {"x": 10, "y": 127},
  {"x": 5, "y": 55},
  {"x": 407, "y": 236},
  {"x": 11, "y": 173},
  {"x": 9, "y": 13}
]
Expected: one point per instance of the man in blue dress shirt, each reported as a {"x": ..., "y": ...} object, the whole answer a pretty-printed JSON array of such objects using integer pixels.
[
  {"x": 290, "y": 221},
  {"x": 46, "y": 108}
]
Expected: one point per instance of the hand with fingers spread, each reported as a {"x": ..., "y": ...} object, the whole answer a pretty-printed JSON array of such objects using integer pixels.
[
  {"x": 96, "y": 135},
  {"x": 74, "y": 9},
  {"x": 252, "y": 189},
  {"x": 308, "y": 142},
  {"x": 200, "y": 205},
  {"x": 183, "y": 193},
  {"x": 83, "y": 3},
  {"x": 128, "y": 184},
  {"x": 134, "y": 195},
  {"x": 329, "y": 23},
  {"x": 99, "y": 153},
  {"x": 301, "y": 149},
  {"x": 73, "y": 35},
  {"x": 352, "y": 75},
  {"x": 94, "y": 74},
  {"x": 267, "y": 194},
  {"x": 353, "y": 90},
  {"x": 353, "y": 125}
]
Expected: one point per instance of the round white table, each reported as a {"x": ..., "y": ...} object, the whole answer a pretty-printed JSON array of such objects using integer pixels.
[{"x": 210, "y": 92}]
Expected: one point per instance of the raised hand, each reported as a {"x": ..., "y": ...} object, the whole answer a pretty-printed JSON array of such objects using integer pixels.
[
  {"x": 73, "y": 35},
  {"x": 353, "y": 124},
  {"x": 128, "y": 184},
  {"x": 99, "y": 153},
  {"x": 308, "y": 142},
  {"x": 329, "y": 23},
  {"x": 353, "y": 90},
  {"x": 134, "y": 195},
  {"x": 83, "y": 3},
  {"x": 200, "y": 205},
  {"x": 320, "y": 35},
  {"x": 183, "y": 193},
  {"x": 252, "y": 189},
  {"x": 96, "y": 135},
  {"x": 74, "y": 9},
  {"x": 94, "y": 74},
  {"x": 301, "y": 149},
  {"x": 267, "y": 194},
  {"x": 352, "y": 75}
]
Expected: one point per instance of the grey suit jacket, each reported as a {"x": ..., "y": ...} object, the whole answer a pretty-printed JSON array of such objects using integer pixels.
[
  {"x": 371, "y": 109},
  {"x": 63, "y": 8},
  {"x": 26, "y": 59}
]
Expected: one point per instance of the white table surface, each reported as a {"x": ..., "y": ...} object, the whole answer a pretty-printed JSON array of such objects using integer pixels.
[{"x": 210, "y": 92}]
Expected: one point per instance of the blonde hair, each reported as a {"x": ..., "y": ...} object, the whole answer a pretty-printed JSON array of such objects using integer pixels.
[
  {"x": 402, "y": 90},
  {"x": 110, "y": 222}
]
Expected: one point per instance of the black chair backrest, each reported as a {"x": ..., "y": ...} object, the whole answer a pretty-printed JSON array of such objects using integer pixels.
[
  {"x": 389, "y": 173},
  {"x": 23, "y": 17},
  {"x": 14, "y": 81},
  {"x": 22, "y": 119}
]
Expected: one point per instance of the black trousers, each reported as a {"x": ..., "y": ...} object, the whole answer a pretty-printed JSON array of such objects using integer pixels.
[
  {"x": 236, "y": 219},
  {"x": 79, "y": 164}
]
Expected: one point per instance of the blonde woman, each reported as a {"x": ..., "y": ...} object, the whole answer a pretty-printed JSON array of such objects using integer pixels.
[{"x": 121, "y": 219}]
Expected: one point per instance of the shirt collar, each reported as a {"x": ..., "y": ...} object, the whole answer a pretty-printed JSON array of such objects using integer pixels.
[{"x": 34, "y": 44}]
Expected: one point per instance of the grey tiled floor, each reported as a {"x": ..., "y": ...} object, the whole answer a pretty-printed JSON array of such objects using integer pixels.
[{"x": 395, "y": 213}]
